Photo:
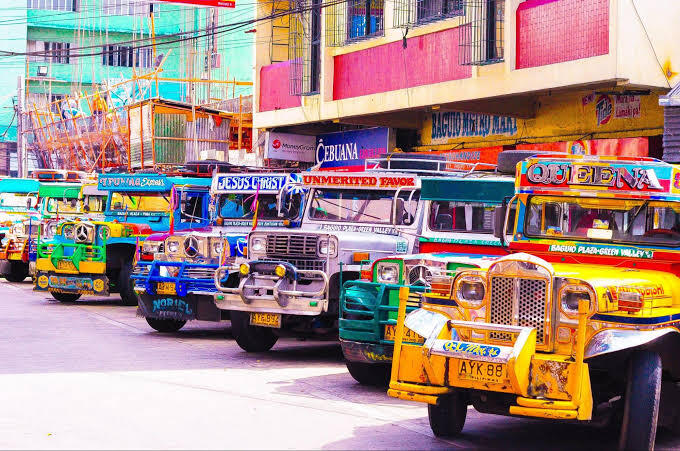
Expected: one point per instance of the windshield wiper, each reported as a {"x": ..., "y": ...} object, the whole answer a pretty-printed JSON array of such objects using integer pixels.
[{"x": 637, "y": 213}]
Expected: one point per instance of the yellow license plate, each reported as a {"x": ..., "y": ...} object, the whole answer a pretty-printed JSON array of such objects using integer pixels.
[
  {"x": 474, "y": 370},
  {"x": 265, "y": 319},
  {"x": 166, "y": 288},
  {"x": 409, "y": 335},
  {"x": 66, "y": 265}
]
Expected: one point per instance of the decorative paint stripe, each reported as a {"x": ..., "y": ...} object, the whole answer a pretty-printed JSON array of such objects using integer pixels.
[{"x": 635, "y": 319}]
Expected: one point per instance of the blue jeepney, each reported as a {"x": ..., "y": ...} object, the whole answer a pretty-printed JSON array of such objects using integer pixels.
[{"x": 178, "y": 284}]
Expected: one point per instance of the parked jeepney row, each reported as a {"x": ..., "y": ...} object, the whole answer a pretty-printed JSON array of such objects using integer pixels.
[{"x": 548, "y": 291}]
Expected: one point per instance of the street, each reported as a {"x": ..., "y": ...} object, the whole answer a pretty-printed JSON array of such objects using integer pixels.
[{"x": 93, "y": 375}]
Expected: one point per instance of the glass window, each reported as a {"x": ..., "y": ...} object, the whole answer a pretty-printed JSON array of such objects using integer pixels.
[
  {"x": 240, "y": 206},
  {"x": 374, "y": 207},
  {"x": 429, "y": 10},
  {"x": 54, "y": 5},
  {"x": 461, "y": 217},
  {"x": 192, "y": 207},
  {"x": 94, "y": 204},
  {"x": 56, "y": 52},
  {"x": 614, "y": 220},
  {"x": 364, "y": 18},
  {"x": 17, "y": 200},
  {"x": 55, "y": 205},
  {"x": 140, "y": 202}
]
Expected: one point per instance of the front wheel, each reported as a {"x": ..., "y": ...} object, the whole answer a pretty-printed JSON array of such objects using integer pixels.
[
  {"x": 448, "y": 417},
  {"x": 641, "y": 402},
  {"x": 373, "y": 374},
  {"x": 251, "y": 338},
  {"x": 126, "y": 285},
  {"x": 65, "y": 297},
  {"x": 165, "y": 325},
  {"x": 18, "y": 272}
]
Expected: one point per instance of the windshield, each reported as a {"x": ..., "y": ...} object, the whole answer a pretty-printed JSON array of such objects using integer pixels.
[
  {"x": 55, "y": 205},
  {"x": 240, "y": 206},
  {"x": 149, "y": 202},
  {"x": 363, "y": 206},
  {"x": 465, "y": 217},
  {"x": 94, "y": 204},
  {"x": 16, "y": 200},
  {"x": 630, "y": 221}
]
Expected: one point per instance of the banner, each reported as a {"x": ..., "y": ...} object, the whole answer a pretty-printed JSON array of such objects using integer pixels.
[
  {"x": 213, "y": 3},
  {"x": 348, "y": 151},
  {"x": 287, "y": 146}
]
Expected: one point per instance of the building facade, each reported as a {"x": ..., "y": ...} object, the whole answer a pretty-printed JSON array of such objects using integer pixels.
[{"x": 470, "y": 77}]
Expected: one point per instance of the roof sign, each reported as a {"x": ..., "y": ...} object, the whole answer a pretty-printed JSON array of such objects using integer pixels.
[
  {"x": 136, "y": 182},
  {"x": 249, "y": 183},
  {"x": 391, "y": 181}
]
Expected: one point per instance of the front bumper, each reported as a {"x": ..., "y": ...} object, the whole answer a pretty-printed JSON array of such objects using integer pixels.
[
  {"x": 94, "y": 284},
  {"x": 185, "y": 308},
  {"x": 546, "y": 385},
  {"x": 299, "y": 292},
  {"x": 190, "y": 278}
]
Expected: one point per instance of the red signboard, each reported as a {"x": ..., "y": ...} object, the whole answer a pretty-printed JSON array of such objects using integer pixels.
[{"x": 218, "y": 3}]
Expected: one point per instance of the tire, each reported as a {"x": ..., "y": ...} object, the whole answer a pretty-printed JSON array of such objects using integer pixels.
[
  {"x": 448, "y": 417},
  {"x": 371, "y": 374},
  {"x": 165, "y": 325},
  {"x": 641, "y": 402},
  {"x": 65, "y": 297},
  {"x": 18, "y": 272},
  {"x": 508, "y": 159},
  {"x": 126, "y": 285},
  {"x": 251, "y": 338}
]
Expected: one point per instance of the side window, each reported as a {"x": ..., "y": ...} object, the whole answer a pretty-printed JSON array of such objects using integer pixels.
[{"x": 192, "y": 208}]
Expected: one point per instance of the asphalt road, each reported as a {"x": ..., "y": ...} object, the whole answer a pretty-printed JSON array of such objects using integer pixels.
[{"x": 93, "y": 375}]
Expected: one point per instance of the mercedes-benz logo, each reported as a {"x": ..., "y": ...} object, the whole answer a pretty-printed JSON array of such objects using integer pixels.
[
  {"x": 420, "y": 275},
  {"x": 81, "y": 233},
  {"x": 191, "y": 246}
]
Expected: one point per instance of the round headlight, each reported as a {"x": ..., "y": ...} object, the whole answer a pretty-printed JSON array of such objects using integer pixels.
[
  {"x": 217, "y": 247},
  {"x": 67, "y": 231},
  {"x": 173, "y": 246},
  {"x": 51, "y": 230},
  {"x": 388, "y": 272},
  {"x": 470, "y": 291},
  {"x": 327, "y": 247},
  {"x": 257, "y": 244},
  {"x": 570, "y": 297},
  {"x": 280, "y": 271},
  {"x": 104, "y": 233},
  {"x": 244, "y": 269}
]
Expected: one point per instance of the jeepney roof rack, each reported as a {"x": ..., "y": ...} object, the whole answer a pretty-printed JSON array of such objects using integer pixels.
[
  {"x": 60, "y": 175},
  {"x": 206, "y": 168},
  {"x": 421, "y": 162}
]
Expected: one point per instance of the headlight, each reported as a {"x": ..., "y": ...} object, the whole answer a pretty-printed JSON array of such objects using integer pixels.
[
  {"x": 18, "y": 229},
  {"x": 172, "y": 246},
  {"x": 151, "y": 247},
  {"x": 257, "y": 244},
  {"x": 216, "y": 247},
  {"x": 50, "y": 230},
  {"x": 328, "y": 246},
  {"x": 470, "y": 291},
  {"x": 104, "y": 233},
  {"x": 67, "y": 231},
  {"x": 571, "y": 295},
  {"x": 388, "y": 272}
]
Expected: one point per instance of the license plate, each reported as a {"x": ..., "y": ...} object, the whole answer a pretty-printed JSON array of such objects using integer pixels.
[
  {"x": 265, "y": 319},
  {"x": 166, "y": 288},
  {"x": 474, "y": 370},
  {"x": 409, "y": 335},
  {"x": 66, "y": 265}
]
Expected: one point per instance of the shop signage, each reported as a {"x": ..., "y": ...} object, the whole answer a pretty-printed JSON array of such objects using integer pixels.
[
  {"x": 454, "y": 124},
  {"x": 347, "y": 151},
  {"x": 127, "y": 182},
  {"x": 388, "y": 182},
  {"x": 617, "y": 177},
  {"x": 288, "y": 146}
]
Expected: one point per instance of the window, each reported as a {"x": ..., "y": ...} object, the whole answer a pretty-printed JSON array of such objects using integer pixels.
[
  {"x": 192, "y": 207},
  {"x": 364, "y": 19},
  {"x": 55, "y": 52},
  {"x": 124, "y": 202},
  {"x": 461, "y": 217},
  {"x": 240, "y": 206},
  {"x": 128, "y": 7},
  {"x": 304, "y": 47},
  {"x": 482, "y": 38},
  {"x": 125, "y": 56},
  {"x": 54, "y": 5},
  {"x": 372, "y": 207},
  {"x": 414, "y": 12}
]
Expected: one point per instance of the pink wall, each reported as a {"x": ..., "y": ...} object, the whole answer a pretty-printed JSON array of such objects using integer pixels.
[
  {"x": 274, "y": 87},
  {"x": 428, "y": 59},
  {"x": 553, "y": 31}
]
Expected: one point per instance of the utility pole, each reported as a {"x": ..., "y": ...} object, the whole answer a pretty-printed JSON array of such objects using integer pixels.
[{"x": 21, "y": 156}]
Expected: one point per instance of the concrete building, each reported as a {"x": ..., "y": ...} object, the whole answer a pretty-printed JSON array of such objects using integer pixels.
[{"x": 469, "y": 77}]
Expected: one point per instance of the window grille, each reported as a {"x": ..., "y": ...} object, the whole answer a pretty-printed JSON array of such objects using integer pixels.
[
  {"x": 304, "y": 47},
  {"x": 354, "y": 20},
  {"x": 55, "y": 52},
  {"x": 125, "y": 56},
  {"x": 417, "y": 12},
  {"x": 54, "y": 5},
  {"x": 481, "y": 39},
  {"x": 128, "y": 7}
]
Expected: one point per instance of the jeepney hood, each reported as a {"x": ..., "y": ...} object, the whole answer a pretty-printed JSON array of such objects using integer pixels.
[{"x": 383, "y": 240}]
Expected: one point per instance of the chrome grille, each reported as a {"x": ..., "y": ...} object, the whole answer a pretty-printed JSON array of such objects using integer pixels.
[
  {"x": 304, "y": 264},
  {"x": 292, "y": 245},
  {"x": 525, "y": 296},
  {"x": 199, "y": 273}
]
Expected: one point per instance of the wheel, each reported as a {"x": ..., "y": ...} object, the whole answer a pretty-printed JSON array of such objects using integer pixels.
[
  {"x": 251, "y": 338},
  {"x": 373, "y": 374},
  {"x": 641, "y": 402},
  {"x": 165, "y": 325},
  {"x": 18, "y": 272},
  {"x": 65, "y": 297},
  {"x": 448, "y": 417},
  {"x": 126, "y": 285}
]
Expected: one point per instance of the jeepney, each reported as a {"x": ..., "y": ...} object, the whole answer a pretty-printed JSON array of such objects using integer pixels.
[
  {"x": 581, "y": 324},
  {"x": 291, "y": 283},
  {"x": 96, "y": 257},
  {"x": 178, "y": 285},
  {"x": 457, "y": 232}
]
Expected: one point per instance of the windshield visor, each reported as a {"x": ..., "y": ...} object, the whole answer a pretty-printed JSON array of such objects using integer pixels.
[
  {"x": 359, "y": 206},
  {"x": 148, "y": 202},
  {"x": 604, "y": 220}
]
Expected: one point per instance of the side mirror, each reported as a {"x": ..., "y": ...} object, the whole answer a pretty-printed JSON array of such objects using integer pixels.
[{"x": 499, "y": 221}]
